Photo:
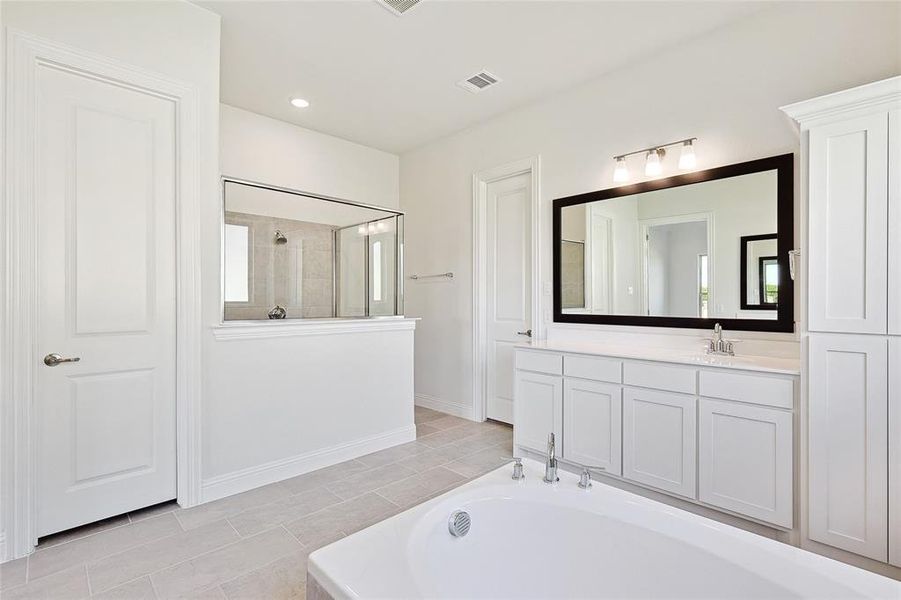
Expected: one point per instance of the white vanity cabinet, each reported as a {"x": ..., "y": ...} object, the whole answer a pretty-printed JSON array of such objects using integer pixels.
[
  {"x": 538, "y": 404},
  {"x": 848, "y": 469},
  {"x": 659, "y": 440},
  {"x": 592, "y": 417},
  {"x": 852, "y": 294},
  {"x": 722, "y": 437},
  {"x": 745, "y": 459}
]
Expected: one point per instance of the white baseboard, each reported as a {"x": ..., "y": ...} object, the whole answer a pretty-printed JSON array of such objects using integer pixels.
[
  {"x": 451, "y": 408},
  {"x": 279, "y": 470}
]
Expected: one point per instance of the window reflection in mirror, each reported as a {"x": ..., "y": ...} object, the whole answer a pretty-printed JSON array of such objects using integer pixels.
[
  {"x": 312, "y": 257},
  {"x": 674, "y": 252}
]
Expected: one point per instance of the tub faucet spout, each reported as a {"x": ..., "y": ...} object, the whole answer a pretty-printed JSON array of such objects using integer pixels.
[{"x": 550, "y": 465}]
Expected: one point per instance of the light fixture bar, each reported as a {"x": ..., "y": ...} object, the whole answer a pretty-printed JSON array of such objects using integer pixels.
[{"x": 657, "y": 147}]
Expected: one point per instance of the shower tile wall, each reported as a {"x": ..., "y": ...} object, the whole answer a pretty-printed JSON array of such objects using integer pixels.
[{"x": 296, "y": 275}]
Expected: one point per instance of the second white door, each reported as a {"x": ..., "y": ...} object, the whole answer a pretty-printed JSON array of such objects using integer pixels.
[{"x": 509, "y": 285}]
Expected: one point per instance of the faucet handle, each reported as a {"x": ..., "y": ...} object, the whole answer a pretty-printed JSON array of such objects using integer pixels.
[
  {"x": 518, "y": 473},
  {"x": 585, "y": 478}
]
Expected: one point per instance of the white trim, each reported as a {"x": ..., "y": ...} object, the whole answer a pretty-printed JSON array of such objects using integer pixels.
[
  {"x": 451, "y": 408},
  {"x": 480, "y": 181},
  {"x": 279, "y": 470},
  {"x": 242, "y": 330},
  {"x": 879, "y": 95},
  {"x": 25, "y": 53}
]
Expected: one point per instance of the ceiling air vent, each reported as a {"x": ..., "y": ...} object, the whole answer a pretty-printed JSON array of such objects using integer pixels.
[
  {"x": 479, "y": 82},
  {"x": 398, "y": 7}
]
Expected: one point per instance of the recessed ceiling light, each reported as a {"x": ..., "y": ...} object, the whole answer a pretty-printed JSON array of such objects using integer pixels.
[{"x": 299, "y": 103}]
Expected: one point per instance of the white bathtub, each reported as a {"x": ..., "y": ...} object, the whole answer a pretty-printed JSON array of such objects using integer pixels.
[{"x": 533, "y": 540}]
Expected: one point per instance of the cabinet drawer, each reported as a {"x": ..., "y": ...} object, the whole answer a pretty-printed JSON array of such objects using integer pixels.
[
  {"x": 593, "y": 367},
  {"x": 541, "y": 362},
  {"x": 660, "y": 377},
  {"x": 754, "y": 389}
]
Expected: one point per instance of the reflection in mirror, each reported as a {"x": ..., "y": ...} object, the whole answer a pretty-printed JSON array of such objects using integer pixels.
[
  {"x": 701, "y": 247},
  {"x": 291, "y": 255},
  {"x": 759, "y": 272}
]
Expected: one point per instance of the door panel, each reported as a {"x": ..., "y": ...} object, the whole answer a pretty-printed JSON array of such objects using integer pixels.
[
  {"x": 509, "y": 296},
  {"x": 894, "y": 447},
  {"x": 659, "y": 440},
  {"x": 894, "y": 223},
  {"x": 539, "y": 410},
  {"x": 847, "y": 443},
  {"x": 106, "y": 259},
  {"x": 848, "y": 234},
  {"x": 745, "y": 460},
  {"x": 592, "y": 429}
]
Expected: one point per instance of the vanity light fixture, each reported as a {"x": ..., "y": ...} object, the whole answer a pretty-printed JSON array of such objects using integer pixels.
[
  {"x": 653, "y": 155},
  {"x": 621, "y": 172},
  {"x": 299, "y": 103},
  {"x": 687, "y": 159},
  {"x": 652, "y": 166}
]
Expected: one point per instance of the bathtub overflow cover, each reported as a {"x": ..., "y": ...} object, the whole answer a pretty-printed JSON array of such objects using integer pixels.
[{"x": 459, "y": 522}]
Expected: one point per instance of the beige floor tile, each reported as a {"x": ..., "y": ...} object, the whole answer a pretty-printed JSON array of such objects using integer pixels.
[
  {"x": 447, "y": 436},
  {"x": 99, "y": 545},
  {"x": 424, "y": 461},
  {"x": 309, "y": 481},
  {"x": 69, "y": 584},
  {"x": 290, "y": 508},
  {"x": 139, "y": 589},
  {"x": 416, "y": 489},
  {"x": 367, "y": 481},
  {"x": 391, "y": 455},
  {"x": 284, "y": 578},
  {"x": 211, "y": 593},
  {"x": 80, "y": 532},
  {"x": 214, "y": 568},
  {"x": 230, "y": 506},
  {"x": 153, "y": 511},
  {"x": 448, "y": 421},
  {"x": 328, "y": 525},
  {"x": 119, "y": 568},
  {"x": 422, "y": 414},
  {"x": 424, "y": 429},
  {"x": 475, "y": 465},
  {"x": 12, "y": 573}
]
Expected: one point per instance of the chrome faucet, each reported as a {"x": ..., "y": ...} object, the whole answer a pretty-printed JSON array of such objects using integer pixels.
[
  {"x": 550, "y": 465},
  {"x": 717, "y": 345}
]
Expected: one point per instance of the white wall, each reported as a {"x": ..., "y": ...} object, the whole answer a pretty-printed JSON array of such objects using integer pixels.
[
  {"x": 278, "y": 406},
  {"x": 270, "y": 151},
  {"x": 724, "y": 87}
]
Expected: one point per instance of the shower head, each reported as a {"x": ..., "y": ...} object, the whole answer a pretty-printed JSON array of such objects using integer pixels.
[{"x": 280, "y": 237}]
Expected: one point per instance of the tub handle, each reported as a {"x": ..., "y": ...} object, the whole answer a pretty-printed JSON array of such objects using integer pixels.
[
  {"x": 518, "y": 473},
  {"x": 585, "y": 479}
]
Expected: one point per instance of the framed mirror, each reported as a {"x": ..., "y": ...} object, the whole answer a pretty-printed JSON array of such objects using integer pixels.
[{"x": 684, "y": 251}]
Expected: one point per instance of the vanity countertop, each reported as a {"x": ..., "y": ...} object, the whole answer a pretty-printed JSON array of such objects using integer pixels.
[{"x": 698, "y": 358}]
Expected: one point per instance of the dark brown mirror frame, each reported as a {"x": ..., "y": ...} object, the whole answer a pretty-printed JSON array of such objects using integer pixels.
[{"x": 784, "y": 167}]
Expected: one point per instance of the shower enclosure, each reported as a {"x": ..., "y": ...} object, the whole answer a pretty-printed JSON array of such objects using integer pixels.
[{"x": 295, "y": 255}]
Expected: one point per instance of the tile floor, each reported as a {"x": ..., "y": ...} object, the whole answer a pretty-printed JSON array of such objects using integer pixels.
[{"x": 255, "y": 544}]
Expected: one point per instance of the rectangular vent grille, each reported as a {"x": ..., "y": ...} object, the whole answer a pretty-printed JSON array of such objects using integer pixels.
[
  {"x": 398, "y": 7},
  {"x": 479, "y": 82}
]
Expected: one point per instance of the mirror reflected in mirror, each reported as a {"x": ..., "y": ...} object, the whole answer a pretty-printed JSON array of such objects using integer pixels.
[{"x": 680, "y": 251}]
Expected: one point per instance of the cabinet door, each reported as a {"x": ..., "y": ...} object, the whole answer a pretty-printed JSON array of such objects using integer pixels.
[
  {"x": 848, "y": 443},
  {"x": 894, "y": 455},
  {"x": 659, "y": 440},
  {"x": 848, "y": 237},
  {"x": 537, "y": 410},
  {"x": 592, "y": 424},
  {"x": 745, "y": 460}
]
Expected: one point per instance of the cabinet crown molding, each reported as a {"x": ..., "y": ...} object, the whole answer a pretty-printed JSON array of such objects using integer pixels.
[{"x": 871, "y": 96}]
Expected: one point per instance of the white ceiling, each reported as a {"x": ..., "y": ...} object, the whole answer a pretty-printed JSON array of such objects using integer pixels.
[{"x": 389, "y": 82}]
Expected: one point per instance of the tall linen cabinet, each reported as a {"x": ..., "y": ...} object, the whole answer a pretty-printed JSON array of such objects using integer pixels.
[{"x": 851, "y": 317}]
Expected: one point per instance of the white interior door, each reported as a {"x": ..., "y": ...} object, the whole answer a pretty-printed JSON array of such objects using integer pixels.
[
  {"x": 106, "y": 180},
  {"x": 509, "y": 279},
  {"x": 600, "y": 262}
]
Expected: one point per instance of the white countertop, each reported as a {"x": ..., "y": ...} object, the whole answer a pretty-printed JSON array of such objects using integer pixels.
[{"x": 698, "y": 358}]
